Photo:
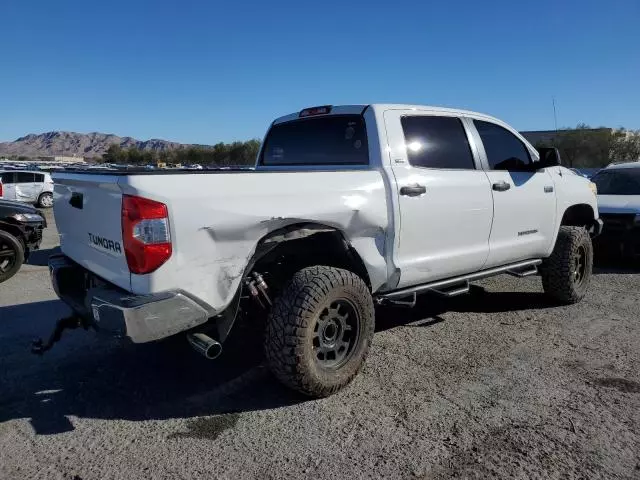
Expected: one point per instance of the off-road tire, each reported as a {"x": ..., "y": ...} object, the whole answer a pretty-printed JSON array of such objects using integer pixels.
[
  {"x": 45, "y": 204},
  {"x": 289, "y": 339},
  {"x": 8, "y": 241},
  {"x": 559, "y": 278}
]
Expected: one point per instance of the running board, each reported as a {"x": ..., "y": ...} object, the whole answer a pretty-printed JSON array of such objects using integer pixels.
[
  {"x": 523, "y": 273},
  {"x": 459, "y": 285},
  {"x": 453, "y": 291}
]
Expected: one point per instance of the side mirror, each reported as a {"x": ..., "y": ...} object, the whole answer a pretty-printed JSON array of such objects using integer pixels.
[{"x": 549, "y": 157}]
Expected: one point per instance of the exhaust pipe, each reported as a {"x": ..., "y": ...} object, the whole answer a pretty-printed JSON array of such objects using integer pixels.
[{"x": 205, "y": 345}]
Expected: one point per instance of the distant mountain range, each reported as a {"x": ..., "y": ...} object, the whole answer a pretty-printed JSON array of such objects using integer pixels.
[{"x": 80, "y": 144}]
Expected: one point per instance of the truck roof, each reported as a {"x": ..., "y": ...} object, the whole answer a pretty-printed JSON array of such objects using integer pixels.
[{"x": 358, "y": 109}]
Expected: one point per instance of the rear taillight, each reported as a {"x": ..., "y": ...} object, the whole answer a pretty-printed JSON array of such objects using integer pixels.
[
  {"x": 0, "y": 189},
  {"x": 145, "y": 233}
]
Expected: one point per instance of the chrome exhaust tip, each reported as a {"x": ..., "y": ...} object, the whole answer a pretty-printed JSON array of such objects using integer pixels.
[{"x": 205, "y": 345}]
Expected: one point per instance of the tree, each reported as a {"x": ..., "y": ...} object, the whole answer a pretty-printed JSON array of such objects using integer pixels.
[
  {"x": 221, "y": 154},
  {"x": 584, "y": 146},
  {"x": 114, "y": 154},
  {"x": 626, "y": 146}
]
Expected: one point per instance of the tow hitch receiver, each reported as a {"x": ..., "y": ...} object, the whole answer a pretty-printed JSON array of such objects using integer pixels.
[{"x": 39, "y": 347}]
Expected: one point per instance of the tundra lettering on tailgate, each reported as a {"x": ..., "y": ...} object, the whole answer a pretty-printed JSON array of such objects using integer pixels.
[{"x": 104, "y": 244}]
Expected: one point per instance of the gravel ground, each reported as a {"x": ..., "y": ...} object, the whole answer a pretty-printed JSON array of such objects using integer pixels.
[{"x": 496, "y": 383}]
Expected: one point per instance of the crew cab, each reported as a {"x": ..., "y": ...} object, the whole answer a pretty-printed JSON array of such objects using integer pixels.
[{"x": 347, "y": 206}]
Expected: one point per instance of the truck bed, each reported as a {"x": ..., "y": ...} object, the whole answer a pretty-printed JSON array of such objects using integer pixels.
[
  {"x": 162, "y": 171},
  {"x": 215, "y": 221}
]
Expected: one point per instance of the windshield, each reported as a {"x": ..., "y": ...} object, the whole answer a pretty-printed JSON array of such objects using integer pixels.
[
  {"x": 333, "y": 140},
  {"x": 622, "y": 181}
]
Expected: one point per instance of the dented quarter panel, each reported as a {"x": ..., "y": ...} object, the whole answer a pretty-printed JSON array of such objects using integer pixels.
[{"x": 217, "y": 221}]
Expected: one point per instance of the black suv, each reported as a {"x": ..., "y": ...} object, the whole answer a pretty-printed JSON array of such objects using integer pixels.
[{"x": 21, "y": 228}]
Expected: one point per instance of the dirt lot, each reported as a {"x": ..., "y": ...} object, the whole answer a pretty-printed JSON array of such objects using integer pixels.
[{"x": 497, "y": 383}]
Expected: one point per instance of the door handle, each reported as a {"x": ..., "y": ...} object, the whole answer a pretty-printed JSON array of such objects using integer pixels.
[
  {"x": 413, "y": 190},
  {"x": 501, "y": 186}
]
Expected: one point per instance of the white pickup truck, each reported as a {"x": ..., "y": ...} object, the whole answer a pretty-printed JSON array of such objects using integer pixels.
[{"x": 347, "y": 206}]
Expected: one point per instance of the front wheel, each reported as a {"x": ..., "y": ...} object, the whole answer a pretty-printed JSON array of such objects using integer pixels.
[
  {"x": 11, "y": 255},
  {"x": 319, "y": 330},
  {"x": 45, "y": 200},
  {"x": 567, "y": 272}
]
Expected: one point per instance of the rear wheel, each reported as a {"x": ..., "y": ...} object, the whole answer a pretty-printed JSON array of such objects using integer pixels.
[
  {"x": 45, "y": 200},
  {"x": 11, "y": 255},
  {"x": 567, "y": 272},
  {"x": 319, "y": 330}
]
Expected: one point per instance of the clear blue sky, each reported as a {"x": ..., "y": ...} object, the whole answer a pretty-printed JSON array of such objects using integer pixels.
[{"x": 209, "y": 71}]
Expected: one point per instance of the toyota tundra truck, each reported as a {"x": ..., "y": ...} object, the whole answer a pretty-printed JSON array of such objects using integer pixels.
[{"x": 347, "y": 207}]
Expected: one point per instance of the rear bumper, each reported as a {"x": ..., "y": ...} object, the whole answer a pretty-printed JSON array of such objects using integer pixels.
[{"x": 142, "y": 318}]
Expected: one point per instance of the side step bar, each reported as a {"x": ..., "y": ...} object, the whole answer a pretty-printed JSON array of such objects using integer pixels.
[{"x": 459, "y": 285}]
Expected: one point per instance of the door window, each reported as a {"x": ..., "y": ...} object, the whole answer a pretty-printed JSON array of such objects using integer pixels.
[
  {"x": 24, "y": 177},
  {"x": 7, "y": 177},
  {"x": 436, "y": 142},
  {"x": 504, "y": 150}
]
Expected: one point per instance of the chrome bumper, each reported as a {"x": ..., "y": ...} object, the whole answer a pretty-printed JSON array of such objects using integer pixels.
[{"x": 142, "y": 318}]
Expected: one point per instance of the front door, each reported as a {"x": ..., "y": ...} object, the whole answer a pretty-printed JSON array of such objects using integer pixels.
[
  {"x": 524, "y": 200},
  {"x": 444, "y": 197}
]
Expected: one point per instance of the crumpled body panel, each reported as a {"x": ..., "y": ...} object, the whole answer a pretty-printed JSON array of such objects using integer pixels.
[{"x": 218, "y": 219}]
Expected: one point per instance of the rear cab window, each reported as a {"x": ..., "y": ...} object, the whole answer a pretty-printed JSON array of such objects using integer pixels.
[{"x": 318, "y": 141}]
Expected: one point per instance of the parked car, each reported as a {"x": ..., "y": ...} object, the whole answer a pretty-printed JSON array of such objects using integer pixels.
[
  {"x": 27, "y": 186},
  {"x": 347, "y": 206},
  {"x": 20, "y": 233},
  {"x": 619, "y": 203}
]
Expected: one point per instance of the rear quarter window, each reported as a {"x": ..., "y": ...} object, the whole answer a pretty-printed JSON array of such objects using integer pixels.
[
  {"x": 332, "y": 140},
  {"x": 6, "y": 177}
]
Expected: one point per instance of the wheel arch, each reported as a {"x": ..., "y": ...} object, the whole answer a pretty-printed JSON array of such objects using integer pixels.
[
  {"x": 296, "y": 243},
  {"x": 311, "y": 243},
  {"x": 579, "y": 215},
  {"x": 12, "y": 229}
]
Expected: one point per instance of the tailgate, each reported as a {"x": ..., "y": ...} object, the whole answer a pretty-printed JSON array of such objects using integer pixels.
[{"x": 87, "y": 210}]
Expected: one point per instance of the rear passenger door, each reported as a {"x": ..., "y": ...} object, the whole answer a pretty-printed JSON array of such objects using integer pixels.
[
  {"x": 444, "y": 197},
  {"x": 25, "y": 187},
  {"x": 524, "y": 199}
]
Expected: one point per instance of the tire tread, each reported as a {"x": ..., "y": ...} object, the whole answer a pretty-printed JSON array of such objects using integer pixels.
[
  {"x": 557, "y": 279},
  {"x": 292, "y": 315}
]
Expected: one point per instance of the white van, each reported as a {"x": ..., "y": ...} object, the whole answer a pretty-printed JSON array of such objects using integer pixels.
[{"x": 27, "y": 186}]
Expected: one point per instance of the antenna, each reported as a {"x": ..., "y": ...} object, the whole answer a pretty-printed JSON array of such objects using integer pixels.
[{"x": 555, "y": 117}]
